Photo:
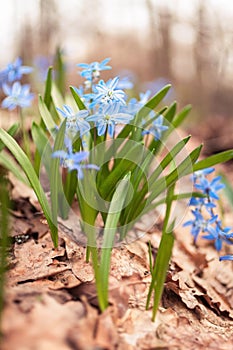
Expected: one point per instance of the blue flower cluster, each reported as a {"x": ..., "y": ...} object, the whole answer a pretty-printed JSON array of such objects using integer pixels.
[
  {"x": 205, "y": 220},
  {"x": 17, "y": 95},
  {"x": 106, "y": 108}
]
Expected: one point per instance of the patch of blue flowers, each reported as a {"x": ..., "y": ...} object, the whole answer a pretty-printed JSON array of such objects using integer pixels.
[
  {"x": 107, "y": 107},
  {"x": 205, "y": 220},
  {"x": 17, "y": 95}
]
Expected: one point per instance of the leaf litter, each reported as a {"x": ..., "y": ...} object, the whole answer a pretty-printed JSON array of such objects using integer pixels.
[{"x": 51, "y": 302}]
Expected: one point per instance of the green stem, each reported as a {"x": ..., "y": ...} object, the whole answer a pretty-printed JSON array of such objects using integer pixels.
[{"x": 163, "y": 257}]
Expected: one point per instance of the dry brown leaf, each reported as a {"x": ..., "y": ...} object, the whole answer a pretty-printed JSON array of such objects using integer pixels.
[
  {"x": 77, "y": 259},
  {"x": 46, "y": 326},
  {"x": 36, "y": 261}
]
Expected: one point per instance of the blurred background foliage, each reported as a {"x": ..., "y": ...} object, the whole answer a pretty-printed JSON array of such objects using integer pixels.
[{"x": 186, "y": 43}]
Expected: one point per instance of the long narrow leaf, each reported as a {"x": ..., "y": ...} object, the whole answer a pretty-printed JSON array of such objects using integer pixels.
[
  {"x": 10, "y": 164},
  {"x": 42, "y": 144},
  {"x": 47, "y": 117},
  {"x": 213, "y": 160},
  {"x": 11, "y": 131},
  {"x": 56, "y": 188},
  {"x": 178, "y": 120},
  {"x": 48, "y": 88},
  {"x": 77, "y": 99},
  {"x": 27, "y": 167},
  {"x": 110, "y": 229}
]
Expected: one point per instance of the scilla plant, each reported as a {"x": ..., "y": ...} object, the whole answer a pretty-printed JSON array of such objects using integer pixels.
[{"x": 112, "y": 161}]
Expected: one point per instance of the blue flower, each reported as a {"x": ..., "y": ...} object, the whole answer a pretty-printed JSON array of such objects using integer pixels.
[
  {"x": 108, "y": 93},
  {"x": 18, "y": 96},
  {"x": 3, "y": 77},
  {"x": 156, "y": 128},
  {"x": 199, "y": 174},
  {"x": 108, "y": 116},
  {"x": 92, "y": 71},
  {"x": 200, "y": 224},
  {"x": 210, "y": 188},
  {"x": 125, "y": 83},
  {"x": 75, "y": 120},
  {"x": 144, "y": 97},
  {"x": 219, "y": 235},
  {"x": 74, "y": 161},
  {"x": 15, "y": 70}
]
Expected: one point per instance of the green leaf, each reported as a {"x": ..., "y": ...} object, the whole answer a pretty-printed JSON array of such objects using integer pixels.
[
  {"x": 42, "y": 144},
  {"x": 10, "y": 164},
  {"x": 139, "y": 198},
  {"x": 48, "y": 88},
  {"x": 124, "y": 165},
  {"x": 60, "y": 71},
  {"x": 77, "y": 99},
  {"x": 110, "y": 229},
  {"x": 161, "y": 268},
  {"x": 11, "y": 131},
  {"x": 157, "y": 98},
  {"x": 178, "y": 120},
  {"x": 163, "y": 257},
  {"x": 184, "y": 168},
  {"x": 29, "y": 171},
  {"x": 56, "y": 188},
  {"x": 213, "y": 160},
  {"x": 168, "y": 158},
  {"x": 47, "y": 117},
  {"x": 57, "y": 98},
  {"x": 142, "y": 204},
  {"x": 170, "y": 112}
]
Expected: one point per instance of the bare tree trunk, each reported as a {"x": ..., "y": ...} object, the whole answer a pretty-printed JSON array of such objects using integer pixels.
[
  {"x": 160, "y": 39},
  {"x": 48, "y": 26}
]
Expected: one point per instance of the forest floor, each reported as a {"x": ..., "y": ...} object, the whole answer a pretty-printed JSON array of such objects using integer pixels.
[{"x": 51, "y": 303}]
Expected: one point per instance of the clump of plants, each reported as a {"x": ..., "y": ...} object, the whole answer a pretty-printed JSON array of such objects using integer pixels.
[{"x": 117, "y": 158}]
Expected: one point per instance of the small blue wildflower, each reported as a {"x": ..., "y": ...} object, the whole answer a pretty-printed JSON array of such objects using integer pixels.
[
  {"x": 92, "y": 71},
  {"x": 15, "y": 70},
  {"x": 74, "y": 161},
  {"x": 212, "y": 226},
  {"x": 144, "y": 97},
  {"x": 107, "y": 118},
  {"x": 18, "y": 96},
  {"x": 200, "y": 224},
  {"x": 125, "y": 84},
  {"x": 199, "y": 174},
  {"x": 75, "y": 120},
  {"x": 219, "y": 235},
  {"x": 156, "y": 128},
  {"x": 210, "y": 188},
  {"x": 3, "y": 77},
  {"x": 108, "y": 93},
  {"x": 199, "y": 203}
]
